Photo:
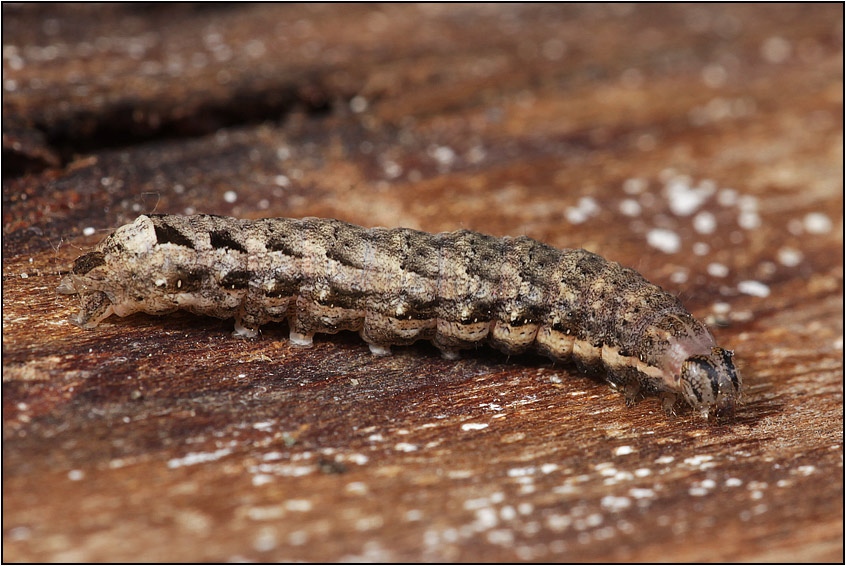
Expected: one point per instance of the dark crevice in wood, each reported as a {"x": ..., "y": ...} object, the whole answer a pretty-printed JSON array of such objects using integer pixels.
[{"x": 126, "y": 124}]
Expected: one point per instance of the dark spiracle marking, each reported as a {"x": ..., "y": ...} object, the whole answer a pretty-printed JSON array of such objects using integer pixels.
[
  {"x": 166, "y": 234},
  {"x": 281, "y": 244},
  {"x": 85, "y": 263},
  {"x": 280, "y": 288},
  {"x": 187, "y": 281},
  {"x": 235, "y": 280},
  {"x": 219, "y": 239}
]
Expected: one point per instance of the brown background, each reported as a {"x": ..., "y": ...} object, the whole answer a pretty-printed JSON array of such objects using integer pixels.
[{"x": 583, "y": 126}]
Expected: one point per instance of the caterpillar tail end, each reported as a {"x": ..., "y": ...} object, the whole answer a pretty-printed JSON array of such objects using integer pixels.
[
  {"x": 94, "y": 308},
  {"x": 66, "y": 286}
]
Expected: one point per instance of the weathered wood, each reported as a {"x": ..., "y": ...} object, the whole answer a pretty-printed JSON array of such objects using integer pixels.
[{"x": 700, "y": 145}]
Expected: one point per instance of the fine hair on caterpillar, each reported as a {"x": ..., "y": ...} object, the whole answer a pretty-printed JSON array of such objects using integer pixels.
[{"x": 396, "y": 286}]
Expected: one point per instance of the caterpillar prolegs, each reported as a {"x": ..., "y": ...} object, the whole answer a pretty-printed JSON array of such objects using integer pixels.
[{"x": 396, "y": 286}]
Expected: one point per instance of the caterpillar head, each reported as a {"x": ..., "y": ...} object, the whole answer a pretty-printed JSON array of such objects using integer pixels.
[{"x": 711, "y": 384}]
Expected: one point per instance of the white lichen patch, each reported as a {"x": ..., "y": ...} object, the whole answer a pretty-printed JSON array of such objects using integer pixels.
[
  {"x": 705, "y": 222},
  {"x": 664, "y": 240},
  {"x": 790, "y": 257},
  {"x": 615, "y": 504},
  {"x": 685, "y": 199},
  {"x": 715, "y": 269},
  {"x": 194, "y": 458},
  {"x": 754, "y": 288},
  {"x": 586, "y": 208},
  {"x": 630, "y": 207},
  {"x": 641, "y": 493},
  {"x": 699, "y": 461},
  {"x": 817, "y": 223}
]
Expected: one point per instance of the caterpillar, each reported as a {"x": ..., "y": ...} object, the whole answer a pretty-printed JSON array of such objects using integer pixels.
[{"x": 396, "y": 286}]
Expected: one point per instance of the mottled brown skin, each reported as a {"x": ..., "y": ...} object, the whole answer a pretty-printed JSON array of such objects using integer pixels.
[{"x": 396, "y": 286}]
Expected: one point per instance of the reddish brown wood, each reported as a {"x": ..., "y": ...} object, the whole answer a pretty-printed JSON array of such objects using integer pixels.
[{"x": 166, "y": 439}]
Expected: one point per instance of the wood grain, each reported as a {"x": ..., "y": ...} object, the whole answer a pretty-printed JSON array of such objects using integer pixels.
[{"x": 700, "y": 145}]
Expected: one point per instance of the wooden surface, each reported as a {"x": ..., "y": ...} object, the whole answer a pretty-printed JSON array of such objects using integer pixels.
[{"x": 701, "y": 145}]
